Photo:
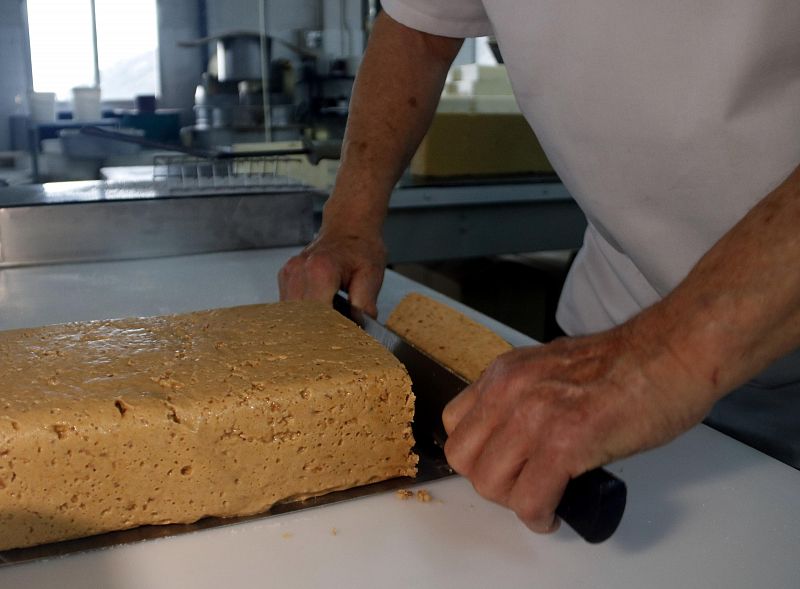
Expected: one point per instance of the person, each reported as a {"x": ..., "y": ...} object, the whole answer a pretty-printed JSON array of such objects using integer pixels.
[{"x": 676, "y": 127}]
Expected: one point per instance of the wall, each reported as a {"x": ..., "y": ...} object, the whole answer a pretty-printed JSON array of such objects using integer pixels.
[{"x": 14, "y": 66}]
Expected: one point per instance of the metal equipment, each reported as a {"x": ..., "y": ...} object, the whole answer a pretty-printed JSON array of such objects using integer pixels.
[{"x": 222, "y": 169}]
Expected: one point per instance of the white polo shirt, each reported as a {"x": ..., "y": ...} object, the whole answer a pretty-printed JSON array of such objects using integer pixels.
[{"x": 666, "y": 121}]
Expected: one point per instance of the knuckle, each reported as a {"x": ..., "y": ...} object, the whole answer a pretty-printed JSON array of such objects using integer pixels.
[
  {"x": 291, "y": 266},
  {"x": 319, "y": 265},
  {"x": 519, "y": 379},
  {"x": 504, "y": 378},
  {"x": 531, "y": 415}
]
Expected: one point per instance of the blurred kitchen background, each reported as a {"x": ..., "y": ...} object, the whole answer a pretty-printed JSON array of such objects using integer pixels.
[{"x": 111, "y": 92}]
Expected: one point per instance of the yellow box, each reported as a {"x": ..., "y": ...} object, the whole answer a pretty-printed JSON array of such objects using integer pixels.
[{"x": 479, "y": 144}]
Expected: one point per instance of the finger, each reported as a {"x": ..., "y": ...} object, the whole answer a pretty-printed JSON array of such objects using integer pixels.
[
  {"x": 536, "y": 495},
  {"x": 322, "y": 278},
  {"x": 318, "y": 291},
  {"x": 291, "y": 280},
  {"x": 458, "y": 407},
  {"x": 467, "y": 440},
  {"x": 364, "y": 288},
  {"x": 282, "y": 279},
  {"x": 500, "y": 463}
]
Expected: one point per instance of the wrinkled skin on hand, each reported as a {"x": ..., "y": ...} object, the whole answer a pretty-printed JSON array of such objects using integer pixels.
[
  {"x": 541, "y": 415},
  {"x": 355, "y": 262}
]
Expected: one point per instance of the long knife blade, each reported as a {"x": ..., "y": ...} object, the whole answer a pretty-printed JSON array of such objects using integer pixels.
[
  {"x": 436, "y": 384},
  {"x": 593, "y": 503}
]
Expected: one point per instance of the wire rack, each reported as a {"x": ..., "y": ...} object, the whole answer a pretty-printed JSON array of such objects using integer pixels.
[{"x": 180, "y": 173}]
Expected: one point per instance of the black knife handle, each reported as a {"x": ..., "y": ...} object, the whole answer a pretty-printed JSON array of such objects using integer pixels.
[{"x": 593, "y": 504}]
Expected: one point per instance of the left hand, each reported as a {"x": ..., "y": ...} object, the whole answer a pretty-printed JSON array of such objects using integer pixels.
[{"x": 540, "y": 416}]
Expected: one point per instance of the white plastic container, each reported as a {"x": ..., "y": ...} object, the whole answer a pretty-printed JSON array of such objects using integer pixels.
[
  {"x": 86, "y": 104},
  {"x": 43, "y": 106}
]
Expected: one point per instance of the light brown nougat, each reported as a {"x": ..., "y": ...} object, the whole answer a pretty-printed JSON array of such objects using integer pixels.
[
  {"x": 107, "y": 425},
  {"x": 452, "y": 338}
]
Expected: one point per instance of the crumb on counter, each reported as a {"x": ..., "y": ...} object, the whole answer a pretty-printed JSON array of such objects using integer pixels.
[
  {"x": 423, "y": 496},
  {"x": 404, "y": 494},
  {"x": 287, "y": 535},
  {"x": 334, "y": 532}
]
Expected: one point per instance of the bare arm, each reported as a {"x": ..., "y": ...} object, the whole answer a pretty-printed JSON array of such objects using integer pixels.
[
  {"x": 540, "y": 416},
  {"x": 394, "y": 98},
  {"x": 739, "y": 308}
]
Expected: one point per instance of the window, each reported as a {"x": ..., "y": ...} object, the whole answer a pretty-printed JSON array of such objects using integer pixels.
[
  {"x": 63, "y": 48},
  {"x": 483, "y": 52},
  {"x": 62, "y": 55}
]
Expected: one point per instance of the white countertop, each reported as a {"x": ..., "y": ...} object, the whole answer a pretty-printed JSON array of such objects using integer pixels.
[{"x": 703, "y": 511}]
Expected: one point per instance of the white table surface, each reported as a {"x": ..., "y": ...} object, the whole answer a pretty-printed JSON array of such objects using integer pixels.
[{"x": 703, "y": 511}]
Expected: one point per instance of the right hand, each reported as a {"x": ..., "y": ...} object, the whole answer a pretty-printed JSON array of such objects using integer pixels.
[
  {"x": 540, "y": 416},
  {"x": 334, "y": 260}
]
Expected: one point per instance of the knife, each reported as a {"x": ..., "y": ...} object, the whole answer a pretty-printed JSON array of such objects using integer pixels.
[{"x": 592, "y": 504}]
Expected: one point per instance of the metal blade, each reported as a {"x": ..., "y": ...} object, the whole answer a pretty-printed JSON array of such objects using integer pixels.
[{"x": 434, "y": 385}]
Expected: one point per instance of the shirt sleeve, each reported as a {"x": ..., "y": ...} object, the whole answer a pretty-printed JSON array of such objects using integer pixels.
[{"x": 448, "y": 18}]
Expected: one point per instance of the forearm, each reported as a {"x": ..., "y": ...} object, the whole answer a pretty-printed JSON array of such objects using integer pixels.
[
  {"x": 739, "y": 308},
  {"x": 394, "y": 97}
]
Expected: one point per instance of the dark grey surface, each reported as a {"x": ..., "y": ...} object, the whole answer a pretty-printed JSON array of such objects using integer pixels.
[{"x": 450, "y": 222}]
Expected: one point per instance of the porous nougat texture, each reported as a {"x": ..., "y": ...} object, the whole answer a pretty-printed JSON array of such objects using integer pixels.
[
  {"x": 107, "y": 425},
  {"x": 463, "y": 345}
]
